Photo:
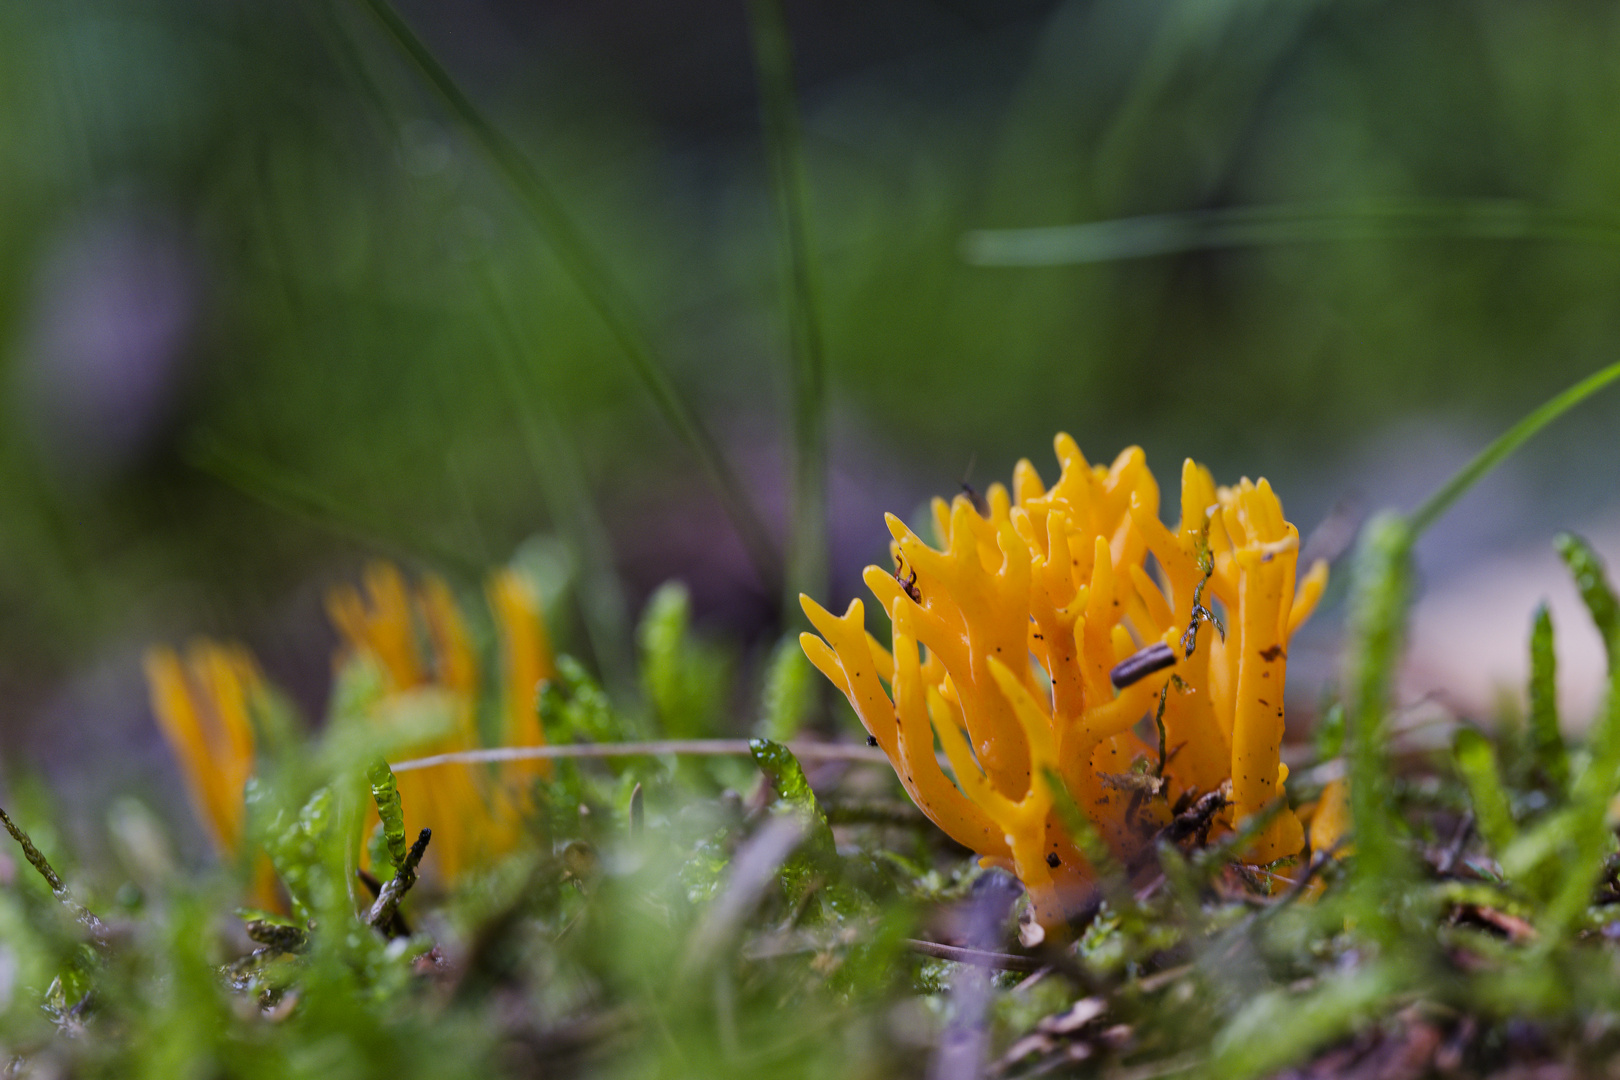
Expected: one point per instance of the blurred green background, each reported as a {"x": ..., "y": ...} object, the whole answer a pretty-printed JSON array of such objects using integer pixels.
[{"x": 266, "y": 311}]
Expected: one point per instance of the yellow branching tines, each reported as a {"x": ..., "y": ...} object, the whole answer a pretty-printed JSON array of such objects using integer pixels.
[
  {"x": 1022, "y": 615},
  {"x": 525, "y": 661},
  {"x": 419, "y": 640},
  {"x": 203, "y": 706},
  {"x": 383, "y": 628}
]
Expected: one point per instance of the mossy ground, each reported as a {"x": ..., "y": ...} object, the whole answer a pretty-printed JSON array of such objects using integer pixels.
[{"x": 732, "y": 917}]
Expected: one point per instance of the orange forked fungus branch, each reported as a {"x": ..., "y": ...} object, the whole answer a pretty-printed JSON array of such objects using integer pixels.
[
  {"x": 417, "y": 639},
  {"x": 1037, "y": 639}
]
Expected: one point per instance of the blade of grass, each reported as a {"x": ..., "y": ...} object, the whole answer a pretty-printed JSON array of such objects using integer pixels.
[
  {"x": 784, "y": 148},
  {"x": 1504, "y": 445},
  {"x": 1380, "y": 594},
  {"x": 596, "y": 283},
  {"x": 1267, "y": 226}
]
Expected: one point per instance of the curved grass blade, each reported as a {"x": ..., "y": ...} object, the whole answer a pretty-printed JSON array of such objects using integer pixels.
[
  {"x": 784, "y": 148},
  {"x": 1509, "y": 441},
  {"x": 596, "y": 284},
  {"x": 1268, "y": 226}
]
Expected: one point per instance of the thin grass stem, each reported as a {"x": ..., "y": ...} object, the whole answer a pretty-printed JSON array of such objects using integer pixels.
[
  {"x": 1504, "y": 444},
  {"x": 784, "y": 149},
  {"x": 597, "y": 284}
]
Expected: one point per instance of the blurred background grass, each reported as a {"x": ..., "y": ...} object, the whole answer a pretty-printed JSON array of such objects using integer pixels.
[{"x": 265, "y": 311}]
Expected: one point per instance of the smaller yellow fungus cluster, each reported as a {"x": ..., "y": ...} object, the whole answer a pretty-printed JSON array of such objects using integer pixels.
[
  {"x": 204, "y": 704},
  {"x": 1036, "y": 598},
  {"x": 417, "y": 639}
]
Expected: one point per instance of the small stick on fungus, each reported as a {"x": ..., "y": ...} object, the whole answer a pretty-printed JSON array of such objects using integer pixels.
[{"x": 1140, "y": 664}]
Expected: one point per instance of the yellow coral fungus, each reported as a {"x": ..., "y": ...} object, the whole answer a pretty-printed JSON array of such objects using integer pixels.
[
  {"x": 419, "y": 642},
  {"x": 203, "y": 706},
  {"x": 417, "y": 638},
  {"x": 1023, "y": 619},
  {"x": 526, "y": 661}
]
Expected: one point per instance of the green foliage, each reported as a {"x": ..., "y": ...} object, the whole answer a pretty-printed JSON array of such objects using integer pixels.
[
  {"x": 1588, "y": 842},
  {"x": 684, "y": 679},
  {"x": 1546, "y": 740},
  {"x": 790, "y": 691},
  {"x": 391, "y": 816},
  {"x": 814, "y": 870},
  {"x": 574, "y": 708},
  {"x": 672, "y": 925},
  {"x": 1476, "y": 760},
  {"x": 303, "y": 845}
]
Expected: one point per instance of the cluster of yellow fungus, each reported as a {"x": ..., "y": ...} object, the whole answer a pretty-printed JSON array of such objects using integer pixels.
[
  {"x": 1045, "y": 640},
  {"x": 204, "y": 705},
  {"x": 417, "y": 640}
]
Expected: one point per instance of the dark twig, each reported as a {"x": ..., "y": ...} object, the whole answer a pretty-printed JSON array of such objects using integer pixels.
[
  {"x": 37, "y": 860},
  {"x": 382, "y": 912},
  {"x": 1140, "y": 664},
  {"x": 1158, "y": 721},
  {"x": 395, "y": 927}
]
